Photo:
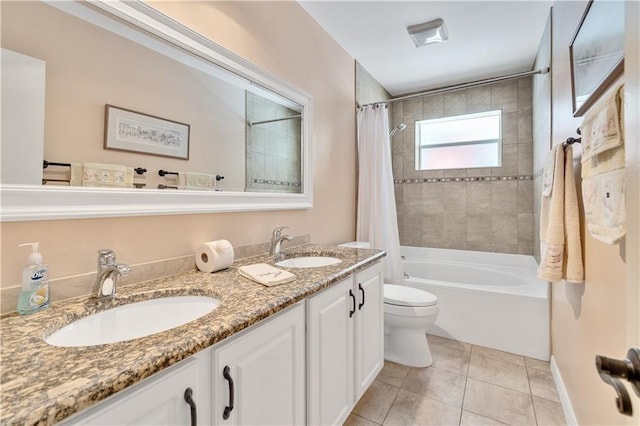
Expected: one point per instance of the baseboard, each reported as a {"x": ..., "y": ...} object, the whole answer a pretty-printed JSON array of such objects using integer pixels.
[{"x": 569, "y": 415}]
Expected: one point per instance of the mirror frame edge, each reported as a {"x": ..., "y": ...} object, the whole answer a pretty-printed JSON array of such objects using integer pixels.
[{"x": 31, "y": 202}]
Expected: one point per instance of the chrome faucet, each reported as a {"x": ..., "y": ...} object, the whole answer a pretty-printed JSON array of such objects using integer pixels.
[
  {"x": 107, "y": 275},
  {"x": 277, "y": 238}
]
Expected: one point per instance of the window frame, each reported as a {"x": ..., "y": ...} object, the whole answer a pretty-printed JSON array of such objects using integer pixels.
[{"x": 419, "y": 146}]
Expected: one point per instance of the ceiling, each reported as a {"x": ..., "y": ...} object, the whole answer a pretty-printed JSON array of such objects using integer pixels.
[{"x": 486, "y": 39}]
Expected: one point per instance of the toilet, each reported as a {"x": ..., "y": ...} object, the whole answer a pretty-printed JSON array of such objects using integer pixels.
[{"x": 407, "y": 313}]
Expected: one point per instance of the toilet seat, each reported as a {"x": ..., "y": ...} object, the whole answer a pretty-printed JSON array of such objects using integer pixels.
[{"x": 401, "y": 295}]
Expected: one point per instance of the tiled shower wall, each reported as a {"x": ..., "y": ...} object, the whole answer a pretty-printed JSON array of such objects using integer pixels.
[
  {"x": 483, "y": 209},
  {"x": 368, "y": 90}
]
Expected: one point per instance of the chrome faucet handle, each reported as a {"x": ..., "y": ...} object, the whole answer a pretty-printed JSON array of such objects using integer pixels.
[
  {"x": 106, "y": 257},
  {"x": 278, "y": 232},
  {"x": 123, "y": 269}
]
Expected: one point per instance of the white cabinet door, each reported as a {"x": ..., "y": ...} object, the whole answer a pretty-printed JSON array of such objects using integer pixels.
[
  {"x": 345, "y": 346},
  {"x": 330, "y": 327},
  {"x": 259, "y": 377},
  {"x": 159, "y": 400},
  {"x": 369, "y": 347}
]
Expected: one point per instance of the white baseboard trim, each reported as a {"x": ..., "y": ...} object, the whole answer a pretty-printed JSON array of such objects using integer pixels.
[{"x": 569, "y": 415}]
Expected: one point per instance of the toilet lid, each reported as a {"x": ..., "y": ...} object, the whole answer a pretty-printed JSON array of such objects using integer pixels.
[{"x": 407, "y": 296}]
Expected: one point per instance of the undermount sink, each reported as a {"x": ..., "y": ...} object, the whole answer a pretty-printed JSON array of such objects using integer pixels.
[
  {"x": 308, "y": 261},
  {"x": 133, "y": 321}
]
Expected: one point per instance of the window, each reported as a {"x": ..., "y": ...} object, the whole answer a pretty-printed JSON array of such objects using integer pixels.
[{"x": 460, "y": 142}]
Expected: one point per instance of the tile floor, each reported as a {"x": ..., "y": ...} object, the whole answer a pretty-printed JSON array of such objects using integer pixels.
[{"x": 466, "y": 385}]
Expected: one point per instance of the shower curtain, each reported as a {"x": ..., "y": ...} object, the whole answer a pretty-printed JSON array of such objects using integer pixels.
[{"x": 377, "y": 221}]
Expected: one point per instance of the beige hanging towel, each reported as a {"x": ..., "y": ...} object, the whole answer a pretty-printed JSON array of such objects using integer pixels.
[
  {"x": 196, "y": 181},
  {"x": 109, "y": 175},
  {"x": 561, "y": 248},
  {"x": 603, "y": 168}
]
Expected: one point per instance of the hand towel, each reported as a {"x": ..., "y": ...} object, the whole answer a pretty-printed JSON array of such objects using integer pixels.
[
  {"x": 128, "y": 178},
  {"x": 547, "y": 177},
  {"x": 196, "y": 180},
  {"x": 266, "y": 274},
  {"x": 573, "y": 270},
  {"x": 100, "y": 174},
  {"x": 603, "y": 126},
  {"x": 193, "y": 188},
  {"x": 552, "y": 223},
  {"x": 603, "y": 171},
  {"x": 561, "y": 248},
  {"x": 75, "y": 177}
]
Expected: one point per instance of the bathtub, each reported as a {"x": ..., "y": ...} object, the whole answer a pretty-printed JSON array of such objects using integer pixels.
[{"x": 487, "y": 299}]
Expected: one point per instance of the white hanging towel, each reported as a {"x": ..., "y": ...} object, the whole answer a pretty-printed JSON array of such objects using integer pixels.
[
  {"x": 603, "y": 168},
  {"x": 561, "y": 247}
]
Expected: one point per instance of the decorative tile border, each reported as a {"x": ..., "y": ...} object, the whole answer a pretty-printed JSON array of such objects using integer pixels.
[
  {"x": 275, "y": 182},
  {"x": 465, "y": 179}
]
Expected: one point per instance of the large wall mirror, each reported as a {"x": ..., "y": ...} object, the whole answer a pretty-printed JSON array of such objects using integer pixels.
[{"x": 114, "y": 109}]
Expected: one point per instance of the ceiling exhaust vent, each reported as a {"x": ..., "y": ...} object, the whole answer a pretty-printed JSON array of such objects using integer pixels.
[{"x": 428, "y": 32}]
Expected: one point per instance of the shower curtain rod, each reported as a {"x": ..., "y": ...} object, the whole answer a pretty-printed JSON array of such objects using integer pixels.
[
  {"x": 291, "y": 117},
  {"x": 462, "y": 86}
]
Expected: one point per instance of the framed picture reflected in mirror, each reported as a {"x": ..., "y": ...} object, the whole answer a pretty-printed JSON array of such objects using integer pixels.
[{"x": 128, "y": 130}]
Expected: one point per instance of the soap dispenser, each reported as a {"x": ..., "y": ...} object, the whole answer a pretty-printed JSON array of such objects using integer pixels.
[{"x": 34, "y": 295}]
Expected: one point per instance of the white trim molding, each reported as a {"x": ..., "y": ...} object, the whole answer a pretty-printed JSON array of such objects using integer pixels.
[
  {"x": 569, "y": 414},
  {"x": 35, "y": 202}
]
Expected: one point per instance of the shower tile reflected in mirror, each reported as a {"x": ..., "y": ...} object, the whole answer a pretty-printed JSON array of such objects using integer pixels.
[{"x": 273, "y": 146}]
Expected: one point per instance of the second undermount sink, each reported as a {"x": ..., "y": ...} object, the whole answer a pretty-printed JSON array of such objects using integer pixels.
[
  {"x": 132, "y": 321},
  {"x": 308, "y": 261}
]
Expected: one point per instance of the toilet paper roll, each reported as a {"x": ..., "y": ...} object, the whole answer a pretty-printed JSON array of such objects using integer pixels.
[{"x": 214, "y": 256}]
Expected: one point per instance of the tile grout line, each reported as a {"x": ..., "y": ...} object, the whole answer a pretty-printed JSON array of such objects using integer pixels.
[
  {"x": 533, "y": 405},
  {"x": 392, "y": 402},
  {"x": 504, "y": 387},
  {"x": 466, "y": 380},
  {"x": 493, "y": 384},
  {"x": 464, "y": 392}
]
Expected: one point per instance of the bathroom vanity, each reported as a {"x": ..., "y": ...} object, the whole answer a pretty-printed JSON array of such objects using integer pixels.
[{"x": 301, "y": 352}]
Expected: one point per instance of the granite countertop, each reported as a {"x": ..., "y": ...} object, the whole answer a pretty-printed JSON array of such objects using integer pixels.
[{"x": 43, "y": 384}]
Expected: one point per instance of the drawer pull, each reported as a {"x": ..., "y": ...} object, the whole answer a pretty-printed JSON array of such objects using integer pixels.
[
  {"x": 229, "y": 408},
  {"x": 362, "y": 290},
  {"x": 188, "y": 396},
  {"x": 353, "y": 299}
]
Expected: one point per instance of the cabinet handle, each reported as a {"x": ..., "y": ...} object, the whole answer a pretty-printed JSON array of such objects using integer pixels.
[
  {"x": 353, "y": 299},
  {"x": 362, "y": 290},
  {"x": 188, "y": 396},
  {"x": 229, "y": 408}
]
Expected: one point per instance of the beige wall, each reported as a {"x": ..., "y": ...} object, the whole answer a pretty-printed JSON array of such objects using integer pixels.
[
  {"x": 589, "y": 318},
  {"x": 484, "y": 209},
  {"x": 289, "y": 44}
]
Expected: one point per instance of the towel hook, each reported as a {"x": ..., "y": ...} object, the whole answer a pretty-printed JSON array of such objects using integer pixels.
[{"x": 571, "y": 141}]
